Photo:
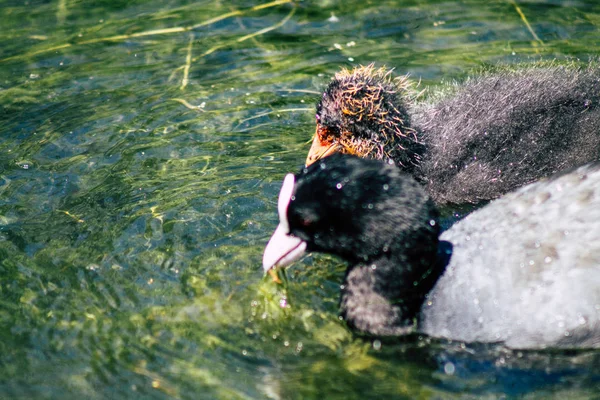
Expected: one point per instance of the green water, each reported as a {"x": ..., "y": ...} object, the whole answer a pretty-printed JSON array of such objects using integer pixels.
[{"x": 142, "y": 145}]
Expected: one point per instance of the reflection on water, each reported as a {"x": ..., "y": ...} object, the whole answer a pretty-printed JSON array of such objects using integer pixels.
[{"x": 141, "y": 151}]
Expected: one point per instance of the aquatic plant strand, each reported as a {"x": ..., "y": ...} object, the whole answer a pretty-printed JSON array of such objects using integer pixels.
[{"x": 166, "y": 31}]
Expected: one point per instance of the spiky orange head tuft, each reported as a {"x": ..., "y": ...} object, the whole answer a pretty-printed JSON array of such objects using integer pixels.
[{"x": 364, "y": 112}]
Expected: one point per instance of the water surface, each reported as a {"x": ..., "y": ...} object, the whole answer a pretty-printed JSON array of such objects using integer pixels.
[{"x": 142, "y": 145}]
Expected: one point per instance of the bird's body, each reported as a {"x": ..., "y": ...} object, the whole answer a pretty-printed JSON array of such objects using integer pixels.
[
  {"x": 523, "y": 270},
  {"x": 485, "y": 137}
]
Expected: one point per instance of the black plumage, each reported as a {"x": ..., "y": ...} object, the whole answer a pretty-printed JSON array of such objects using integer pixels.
[
  {"x": 524, "y": 270},
  {"x": 476, "y": 141}
]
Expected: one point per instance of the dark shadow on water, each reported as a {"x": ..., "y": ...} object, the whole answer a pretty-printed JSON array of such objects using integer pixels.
[{"x": 483, "y": 369}]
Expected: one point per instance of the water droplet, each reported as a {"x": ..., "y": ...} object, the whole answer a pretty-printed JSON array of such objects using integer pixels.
[
  {"x": 386, "y": 186},
  {"x": 24, "y": 164},
  {"x": 377, "y": 344},
  {"x": 338, "y": 186},
  {"x": 449, "y": 368}
]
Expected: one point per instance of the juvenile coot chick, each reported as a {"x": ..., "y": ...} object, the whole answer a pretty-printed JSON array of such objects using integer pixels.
[
  {"x": 486, "y": 137},
  {"x": 523, "y": 270}
]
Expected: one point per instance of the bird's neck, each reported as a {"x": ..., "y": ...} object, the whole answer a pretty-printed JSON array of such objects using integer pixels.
[
  {"x": 409, "y": 153},
  {"x": 384, "y": 297}
]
